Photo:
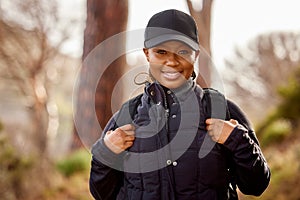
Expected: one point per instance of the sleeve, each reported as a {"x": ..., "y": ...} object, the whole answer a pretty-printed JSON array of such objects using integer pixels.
[
  {"x": 250, "y": 169},
  {"x": 105, "y": 174}
]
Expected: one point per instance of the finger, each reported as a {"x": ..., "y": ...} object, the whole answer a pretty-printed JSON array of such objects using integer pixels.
[
  {"x": 129, "y": 132},
  {"x": 129, "y": 138},
  {"x": 118, "y": 133},
  {"x": 210, "y": 133},
  {"x": 234, "y": 122},
  {"x": 209, "y": 127},
  {"x": 123, "y": 131},
  {"x": 108, "y": 132},
  {"x": 127, "y": 127},
  {"x": 128, "y": 144},
  {"x": 208, "y": 121},
  {"x": 211, "y": 120}
]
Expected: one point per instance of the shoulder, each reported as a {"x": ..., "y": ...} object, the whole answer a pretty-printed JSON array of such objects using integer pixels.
[
  {"x": 132, "y": 104},
  {"x": 127, "y": 111},
  {"x": 215, "y": 100},
  {"x": 238, "y": 114},
  {"x": 210, "y": 93}
]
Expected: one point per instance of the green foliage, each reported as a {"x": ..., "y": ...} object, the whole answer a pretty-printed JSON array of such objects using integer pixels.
[
  {"x": 286, "y": 116},
  {"x": 13, "y": 168},
  {"x": 276, "y": 132},
  {"x": 79, "y": 161},
  {"x": 290, "y": 107}
]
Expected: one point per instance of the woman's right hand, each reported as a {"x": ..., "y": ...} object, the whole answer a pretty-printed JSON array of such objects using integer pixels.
[{"x": 120, "y": 139}]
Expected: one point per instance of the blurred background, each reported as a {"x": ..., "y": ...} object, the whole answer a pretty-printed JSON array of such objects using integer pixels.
[{"x": 253, "y": 46}]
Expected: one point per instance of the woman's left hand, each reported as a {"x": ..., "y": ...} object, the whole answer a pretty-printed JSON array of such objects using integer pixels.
[{"x": 219, "y": 130}]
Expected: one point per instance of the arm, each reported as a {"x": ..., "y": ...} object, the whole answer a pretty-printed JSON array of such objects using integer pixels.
[
  {"x": 105, "y": 178},
  {"x": 248, "y": 164},
  {"x": 250, "y": 167},
  {"x": 105, "y": 182}
]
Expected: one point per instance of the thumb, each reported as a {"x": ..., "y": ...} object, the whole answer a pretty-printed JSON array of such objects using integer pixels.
[
  {"x": 233, "y": 121},
  {"x": 108, "y": 132}
]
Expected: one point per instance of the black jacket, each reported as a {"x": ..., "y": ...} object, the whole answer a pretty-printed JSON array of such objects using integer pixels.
[{"x": 173, "y": 157}]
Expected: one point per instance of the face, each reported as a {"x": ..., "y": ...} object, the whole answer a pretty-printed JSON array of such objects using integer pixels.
[{"x": 171, "y": 63}]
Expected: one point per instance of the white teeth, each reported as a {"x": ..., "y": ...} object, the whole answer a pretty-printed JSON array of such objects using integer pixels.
[{"x": 171, "y": 75}]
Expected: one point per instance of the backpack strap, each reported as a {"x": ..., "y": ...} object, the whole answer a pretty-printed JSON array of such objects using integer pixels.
[
  {"x": 214, "y": 104},
  {"x": 127, "y": 111}
]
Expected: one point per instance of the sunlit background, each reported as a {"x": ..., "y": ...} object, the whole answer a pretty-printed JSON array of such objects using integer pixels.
[
  {"x": 234, "y": 23},
  {"x": 255, "y": 47}
]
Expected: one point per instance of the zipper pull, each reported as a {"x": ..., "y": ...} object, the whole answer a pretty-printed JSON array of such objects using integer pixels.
[{"x": 167, "y": 113}]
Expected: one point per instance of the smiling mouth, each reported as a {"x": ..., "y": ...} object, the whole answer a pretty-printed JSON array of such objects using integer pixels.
[{"x": 171, "y": 75}]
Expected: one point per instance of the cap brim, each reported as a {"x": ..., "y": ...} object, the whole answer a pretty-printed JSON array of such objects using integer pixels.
[{"x": 171, "y": 37}]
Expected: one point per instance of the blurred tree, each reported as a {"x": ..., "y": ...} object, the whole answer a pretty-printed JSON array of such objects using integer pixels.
[
  {"x": 202, "y": 15},
  {"x": 289, "y": 108},
  {"x": 104, "y": 20},
  {"x": 259, "y": 69},
  {"x": 25, "y": 57}
]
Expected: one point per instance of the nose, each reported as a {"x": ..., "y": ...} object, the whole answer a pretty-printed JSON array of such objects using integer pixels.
[{"x": 172, "y": 60}]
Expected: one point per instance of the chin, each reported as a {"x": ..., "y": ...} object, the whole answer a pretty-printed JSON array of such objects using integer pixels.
[{"x": 172, "y": 85}]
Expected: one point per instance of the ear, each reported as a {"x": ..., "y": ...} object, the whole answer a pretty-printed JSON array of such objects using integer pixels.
[{"x": 146, "y": 52}]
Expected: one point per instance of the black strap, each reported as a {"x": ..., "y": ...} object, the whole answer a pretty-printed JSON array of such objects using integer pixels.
[
  {"x": 127, "y": 111},
  {"x": 214, "y": 104}
]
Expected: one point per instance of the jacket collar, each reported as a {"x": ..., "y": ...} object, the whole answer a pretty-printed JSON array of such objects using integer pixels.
[
  {"x": 182, "y": 92},
  {"x": 157, "y": 91}
]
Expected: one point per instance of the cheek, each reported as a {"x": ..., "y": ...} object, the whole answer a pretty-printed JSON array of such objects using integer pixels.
[
  {"x": 152, "y": 59},
  {"x": 188, "y": 69},
  {"x": 189, "y": 65},
  {"x": 188, "y": 73},
  {"x": 154, "y": 68}
]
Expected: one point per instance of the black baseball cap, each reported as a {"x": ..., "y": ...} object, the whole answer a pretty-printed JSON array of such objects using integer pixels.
[{"x": 171, "y": 25}]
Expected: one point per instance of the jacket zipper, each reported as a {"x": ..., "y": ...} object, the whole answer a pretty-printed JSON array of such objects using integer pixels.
[{"x": 166, "y": 111}]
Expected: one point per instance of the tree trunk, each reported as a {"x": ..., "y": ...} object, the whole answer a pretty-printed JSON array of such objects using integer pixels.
[
  {"x": 105, "y": 18},
  {"x": 39, "y": 115},
  {"x": 203, "y": 20}
]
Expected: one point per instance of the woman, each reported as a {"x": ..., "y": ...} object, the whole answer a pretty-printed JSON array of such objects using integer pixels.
[{"x": 171, "y": 149}]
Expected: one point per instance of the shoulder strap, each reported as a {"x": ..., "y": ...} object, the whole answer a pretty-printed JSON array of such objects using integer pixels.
[
  {"x": 127, "y": 111},
  {"x": 214, "y": 104},
  {"x": 133, "y": 104}
]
